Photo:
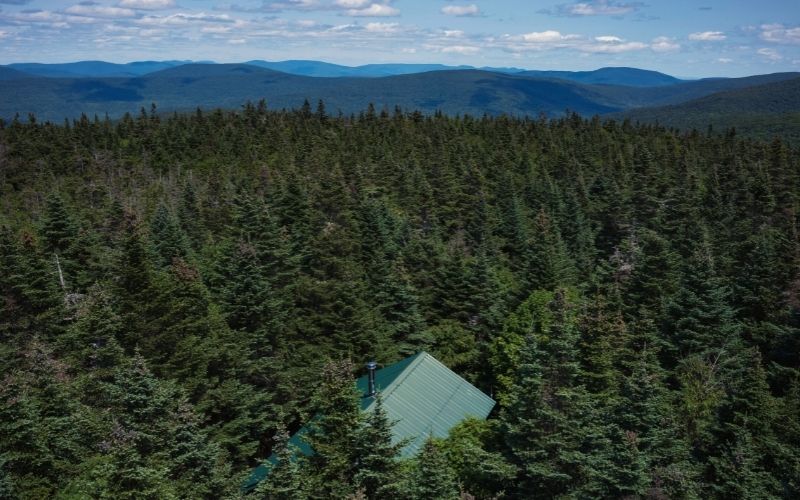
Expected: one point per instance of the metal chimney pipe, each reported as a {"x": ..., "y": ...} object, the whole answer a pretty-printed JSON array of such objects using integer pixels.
[{"x": 371, "y": 373}]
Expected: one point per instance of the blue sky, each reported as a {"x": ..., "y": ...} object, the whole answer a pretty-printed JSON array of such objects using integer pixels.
[{"x": 680, "y": 37}]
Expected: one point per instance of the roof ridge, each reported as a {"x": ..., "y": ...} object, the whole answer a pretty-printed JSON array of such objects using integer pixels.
[{"x": 470, "y": 384}]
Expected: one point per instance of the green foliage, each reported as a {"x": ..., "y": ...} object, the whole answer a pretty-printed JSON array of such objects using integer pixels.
[
  {"x": 628, "y": 294},
  {"x": 352, "y": 453},
  {"x": 471, "y": 449},
  {"x": 167, "y": 238},
  {"x": 333, "y": 435},
  {"x": 379, "y": 474},
  {"x": 532, "y": 317},
  {"x": 433, "y": 476},
  {"x": 285, "y": 480}
]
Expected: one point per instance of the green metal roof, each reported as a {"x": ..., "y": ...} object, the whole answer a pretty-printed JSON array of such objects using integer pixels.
[{"x": 421, "y": 395}]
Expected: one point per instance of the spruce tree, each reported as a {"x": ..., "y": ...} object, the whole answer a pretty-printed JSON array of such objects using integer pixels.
[
  {"x": 378, "y": 473},
  {"x": 167, "y": 239},
  {"x": 433, "y": 476},
  {"x": 285, "y": 479},
  {"x": 58, "y": 228},
  {"x": 333, "y": 434}
]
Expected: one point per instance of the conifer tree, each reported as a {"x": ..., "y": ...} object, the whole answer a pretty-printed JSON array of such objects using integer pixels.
[
  {"x": 548, "y": 263},
  {"x": 433, "y": 476},
  {"x": 545, "y": 402},
  {"x": 132, "y": 280},
  {"x": 699, "y": 317},
  {"x": 190, "y": 217},
  {"x": 58, "y": 228},
  {"x": 472, "y": 449},
  {"x": 333, "y": 434},
  {"x": 249, "y": 302},
  {"x": 379, "y": 474},
  {"x": 91, "y": 341},
  {"x": 6, "y": 484},
  {"x": 285, "y": 478},
  {"x": 748, "y": 446},
  {"x": 155, "y": 448},
  {"x": 180, "y": 326},
  {"x": 167, "y": 239},
  {"x": 531, "y": 317}
]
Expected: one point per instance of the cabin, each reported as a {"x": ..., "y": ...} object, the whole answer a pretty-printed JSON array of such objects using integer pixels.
[{"x": 420, "y": 394}]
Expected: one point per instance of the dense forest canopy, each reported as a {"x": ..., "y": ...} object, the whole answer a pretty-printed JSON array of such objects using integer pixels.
[{"x": 180, "y": 292}]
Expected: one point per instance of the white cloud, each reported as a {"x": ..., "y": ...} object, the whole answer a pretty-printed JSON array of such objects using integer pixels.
[
  {"x": 301, "y": 5},
  {"x": 352, "y": 4},
  {"x": 453, "y": 33},
  {"x": 725, "y": 60},
  {"x": 664, "y": 44},
  {"x": 460, "y": 49},
  {"x": 218, "y": 30},
  {"x": 182, "y": 18},
  {"x": 548, "y": 36},
  {"x": 612, "y": 48},
  {"x": 708, "y": 36},
  {"x": 608, "y": 39},
  {"x": 50, "y": 19},
  {"x": 382, "y": 27},
  {"x": 237, "y": 41},
  {"x": 99, "y": 11},
  {"x": 778, "y": 33},
  {"x": 153, "y": 34},
  {"x": 598, "y": 8},
  {"x": 4, "y": 34},
  {"x": 375, "y": 10},
  {"x": 461, "y": 10},
  {"x": 147, "y": 4},
  {"x": 38, "y": 16},
  {"x": 408, "y": 50},
  {"x": 770, "y": 54}
]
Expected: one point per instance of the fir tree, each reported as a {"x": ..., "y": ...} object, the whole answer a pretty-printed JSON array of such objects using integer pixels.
[
  {"x": 433, "y": 476},
  {"x": 167, "y": 239},
  {"x": 333, "y": 434},
  {"x": 379, "y": 470},
  {"x": 285, "y": 478}
]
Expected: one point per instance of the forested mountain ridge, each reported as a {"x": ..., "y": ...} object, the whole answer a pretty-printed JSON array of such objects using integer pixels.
[
  {"x": 94, "y": 69},
  {"x": 172, "y": 286},
  {"x": 453, "y": 91},
  {"x": 186, "y": 87},
  {"x": 629, "y": 77},
  {"x": 763, "y": 111},
  {"x": 11, "y": 74}
]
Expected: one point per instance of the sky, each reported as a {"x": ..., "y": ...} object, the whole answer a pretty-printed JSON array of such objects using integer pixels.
[{"x": 680, "y": 37}]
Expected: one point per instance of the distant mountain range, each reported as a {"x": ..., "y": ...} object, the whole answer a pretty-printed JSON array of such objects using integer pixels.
[
  {"x": 615, "y": 76},
  {"x": 94, "y": 69},
  {"x": 328, "y": 70},
  {"x": 57, "y": 91}
]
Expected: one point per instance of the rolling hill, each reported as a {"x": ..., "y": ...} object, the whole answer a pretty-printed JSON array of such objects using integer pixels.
[
  {"x": 454, "y": 91},
  {"x": 631, "y": 77},
  {"x": 636, "y": 97},
  {"x": 97, "y": 69},
  {"x": 763, "y": 111},
  {"x": 329, "y": 70},
  {"x": 230, "y": 85},
  {"x": 94, "y": 68},
  {"x": 7, "y": 73}
]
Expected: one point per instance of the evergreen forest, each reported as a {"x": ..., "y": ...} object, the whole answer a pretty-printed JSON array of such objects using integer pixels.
[{"x": 180, "y": 293}]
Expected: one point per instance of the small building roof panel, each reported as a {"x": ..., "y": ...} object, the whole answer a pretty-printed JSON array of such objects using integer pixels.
[{"x": 420, "y": 394}]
